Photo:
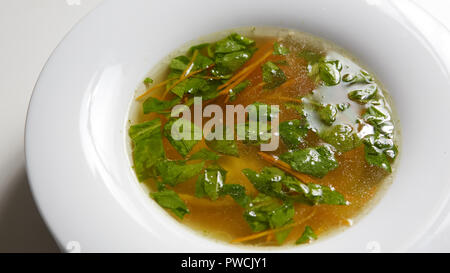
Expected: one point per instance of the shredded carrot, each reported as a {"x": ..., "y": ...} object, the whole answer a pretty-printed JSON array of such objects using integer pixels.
[
  {"x": 285, "y": 167},
  {"x": 151, "y": 89},
  {"x": 209, "y": 77},
  {"x": 180, "y": 80},
  {"x": 251, "y": 65},
  {"x": 243, "y": 74},
  {"x": 272, "y": 231},
  {"x": 287, "y": 83}
]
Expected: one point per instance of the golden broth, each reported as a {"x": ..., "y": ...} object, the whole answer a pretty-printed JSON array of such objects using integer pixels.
[{"x": 356, "y": 179}]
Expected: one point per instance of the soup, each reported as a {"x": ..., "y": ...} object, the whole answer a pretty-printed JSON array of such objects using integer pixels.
[{"x": 336, "y": 139}]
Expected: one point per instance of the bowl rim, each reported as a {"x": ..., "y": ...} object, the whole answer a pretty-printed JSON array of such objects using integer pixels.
[{"x": 39, "y": 194}]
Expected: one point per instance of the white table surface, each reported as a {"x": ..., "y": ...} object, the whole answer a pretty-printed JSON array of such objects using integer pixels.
[{"x": 29, "y": 31}]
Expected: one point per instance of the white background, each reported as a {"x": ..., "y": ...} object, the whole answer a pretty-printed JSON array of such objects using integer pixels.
[{"x": 29, "y": 31}]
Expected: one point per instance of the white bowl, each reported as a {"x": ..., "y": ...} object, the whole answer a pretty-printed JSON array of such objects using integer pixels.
[{"x": 76, "y": 148}]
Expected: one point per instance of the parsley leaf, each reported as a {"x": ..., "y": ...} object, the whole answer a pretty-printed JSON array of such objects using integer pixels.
[
  {"x": 380, "y": 119},
  {"x": 229, "y": 63},
  {"x": 176, "y": 172},
  {"x": 274, "y": 182},
  {"x": 363, "y": 95},
  {"x": 253, "y": 132},
  {"x": 307, "y": 236},
  {"x": 233, "y": 43},
  {"x": 313, "y": 161},
  {"x": 190, "y": 86},
  {"x": 330, "y": 72},
  {"x": 265, "y": 212},
  {"x": 210, "y": 182},
  {"x": 327, "y": 113},
  {"x": 183, "y": 146},
  {"x": 280, "y": 49},
  {"x": 343, "y": 106},
  {"x": 170, "y": 200},
  {"x": 197, "y": 47},
  {"x": 268, "y": 181},
  {"x": 310, "y": 56},
  {"x": 380, "y": 150},
  {"x": 238, "y": 89},
  {"x": 273, "y": 76},
  {"x": 237, "y": 192},
  {"x": 205, "y": 154},
  {"x": 148, "y": 81},
  {"x": 341, "y": 137},
  {"x": 362, "y": 77},
  {"x": 148, "y": 147},
  {"x": 261, "y": 112},
  {"x": 223, "y": 146},
  {"x": 153, "y": 105},
  {"x": 293, "y": 132},
  {"x": 179, "y": 63},
  {"x": 319, "y": 68}
]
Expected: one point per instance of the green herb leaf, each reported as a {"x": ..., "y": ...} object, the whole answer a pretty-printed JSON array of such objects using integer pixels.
[
  {"x": 310, "y": 56},
  {"x": 363, "y": 77},
  {"x": 148, "y": 81},
  {"x": 380, "y": 119},
  {"x": 327, "y": 113},
  {"x": 179, "y": 63},
  {"x": 242, "y": 39},
  {"x": 273, "y": 76},
  {"x": 343, "y": 106},
  {"x": 274, "y": 182},
  {"x": 230, "y": 62},
  {"x": 268, "y": 181},
  {"x": 380, "y": 150},
  {"x": 237, "y": 192},
  {"x": 307, "y": 236},
  {"x": 261, "y": 112},
  {"x": 211, "y": 182},
  {"x": 148, "y": 147},
  {"x": 201, "y": 62},
  {"x": 238, "y": 89},
  {"x": 223, "y": 146},
  {"x": 170, "y": 200},
  {"x": 313, "y": 161},
  {"x": 205, "y": 154},
  {"x": 319, "y": 194},
  {"x": 363, "y": 95},
  {"x": 153, "y": 105},
  {"x": 253, "y": 132},
  {"x": 176, "y": 172},
  {"x": 341, "y": 137},
  {"x": 233, "y": 43},
  {"x": 228, "y": 45},
  {"x": 282, "y": 235},
  {"x": 293, "y": 132},
  {"x": 280, "y": 49},
  {"x": 183, "y": 146},
  {"x": 190, "y": 86},
  {"x": 329, "y": 72},
  {"x": 265, "y": 212},
  {"x": 197, "y": 47}
]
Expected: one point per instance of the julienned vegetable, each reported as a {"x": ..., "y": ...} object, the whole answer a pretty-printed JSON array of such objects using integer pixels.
[{"x": 337, "y": 140}]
